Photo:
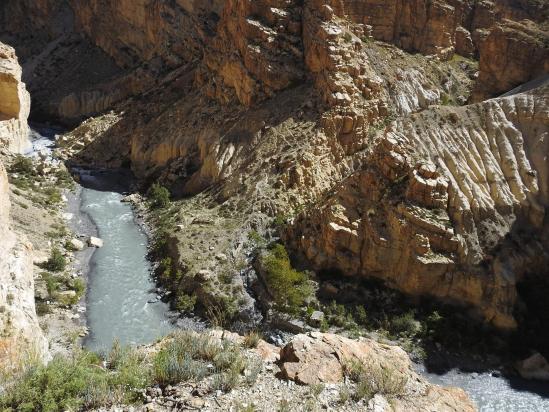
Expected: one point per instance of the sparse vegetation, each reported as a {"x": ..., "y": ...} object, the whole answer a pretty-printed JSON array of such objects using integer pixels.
[
  {"x": 22, "y": 165},
  {"x": 374, "y": 378},
  {"x": 189, "y": 356},
  {"x": 251, "y": 339},
  {"x": 79, "y": 381}
]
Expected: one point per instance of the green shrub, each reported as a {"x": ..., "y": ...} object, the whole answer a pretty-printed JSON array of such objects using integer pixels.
[
  {"x": 193, "y": 357},
  {"x": 56, "y": 262},
  {"x": 22, "y": 165},
  {"x": 289, "y": 288},
  {"x": 78, "y": 285},
  {"x": 53, "y": 196},
  {"x": 76, "y": 382},
  {"x": 404, "y": 325},
  {"x": 42, "y": 308},
  {"x": 256, "y": 239},
  {"x": 159, "y": 196},
  {"x": 185, "y": 303}
]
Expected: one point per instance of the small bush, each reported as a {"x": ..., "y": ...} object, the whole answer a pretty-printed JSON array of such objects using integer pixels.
[
  {"x": 56, "y": 262},
  {"x": 375, "y": 378},
  {"x": 252, "y": 339},
  {"x": 78, "y": 285},
  {"x": 159, "y": 196},
  {"x": 42, "y": 308},
  {"x": 22, "y": 165},
  {"x": 256, "y": 239},
  {"x": 226, "y": 381},
  {"x": 53, "y": 196},
  {"x": 344, "y": 394},
  {"x": 185, "y": 303},
  {"x": 289, "y": 288},
  {"x": 317, "y": 389},
  {"x": 253, "y": 372},
  {"x": 404, "y": 325}
]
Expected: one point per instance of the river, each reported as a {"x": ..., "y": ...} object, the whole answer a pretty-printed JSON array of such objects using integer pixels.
[
  {"x": 121, "y": 300},
  {"x": 122, "y": 303},
  {"x": 494, "y": 393}
]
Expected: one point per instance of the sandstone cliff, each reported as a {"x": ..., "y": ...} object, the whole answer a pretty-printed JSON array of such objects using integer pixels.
[
  {"x": 20, "y": 334},
  {"x": 247, "y": 51},
  {"x": 451, "y": 203},
  {"x": 14, "y": 104}
]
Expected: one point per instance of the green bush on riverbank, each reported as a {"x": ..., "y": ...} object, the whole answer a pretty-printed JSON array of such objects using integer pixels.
[{"x": 159, "y": 196}]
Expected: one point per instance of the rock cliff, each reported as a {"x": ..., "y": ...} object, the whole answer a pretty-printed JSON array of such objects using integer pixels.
[
  {"x": 451, "y": 203},
  {"x": 15, "y": 102},
  {"x": 353, "y": 111},
  {"x": 20, "y": 334}
]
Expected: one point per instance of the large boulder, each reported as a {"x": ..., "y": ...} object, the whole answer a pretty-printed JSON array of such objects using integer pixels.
[{"x": 322, "y": 358}]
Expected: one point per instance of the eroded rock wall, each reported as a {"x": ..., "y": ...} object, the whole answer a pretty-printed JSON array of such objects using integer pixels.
[{"x": 452, "y": 204}]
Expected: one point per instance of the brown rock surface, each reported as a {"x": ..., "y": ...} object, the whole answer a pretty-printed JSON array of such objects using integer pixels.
[
  {"x": 322, "y": 358},
  {"x": 432, "y": 211},
  {"x": 14, "y": 102}
]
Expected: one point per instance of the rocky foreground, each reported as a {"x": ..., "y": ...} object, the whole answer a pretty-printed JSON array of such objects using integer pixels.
[{"x": 312, "y": 372}]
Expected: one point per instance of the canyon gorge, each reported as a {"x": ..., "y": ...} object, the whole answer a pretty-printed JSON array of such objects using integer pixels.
[{"x": 290, "y": 161}]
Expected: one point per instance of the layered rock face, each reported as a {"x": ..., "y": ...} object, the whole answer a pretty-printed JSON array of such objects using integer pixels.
[
  {"x": 20, "y": 334},
  {"x": 441, "y": 204},
  {"x": 14, "y": 104},
  {"x": 273, "y": 105}
]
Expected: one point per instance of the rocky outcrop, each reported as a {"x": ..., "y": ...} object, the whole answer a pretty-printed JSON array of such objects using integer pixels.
[
  {"x": 14, "y": 102},
  {"x": 247, "y": 51},
  {"x": 257, "y": 51},
  {"x": 521, "y": 48},
  {"x": 441, "y": 205},
  {"x": 20, "y": 334},
  {"x": 323, "y": 359}
]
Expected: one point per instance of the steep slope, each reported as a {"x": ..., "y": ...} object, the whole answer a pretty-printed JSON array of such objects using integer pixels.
[
  {"x": 20, "y": 334},
  {"x": 451, "y": 203},
  {"x": 268, "y": 107}
]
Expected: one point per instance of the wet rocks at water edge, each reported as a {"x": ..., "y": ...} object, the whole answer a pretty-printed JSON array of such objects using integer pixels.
[
  {"x": 95, "y": 242},
  {"x": 534, "y": 367}
]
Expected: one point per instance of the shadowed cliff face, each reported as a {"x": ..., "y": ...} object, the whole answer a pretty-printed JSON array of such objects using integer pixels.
[{"x": 337, "y": 104}]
